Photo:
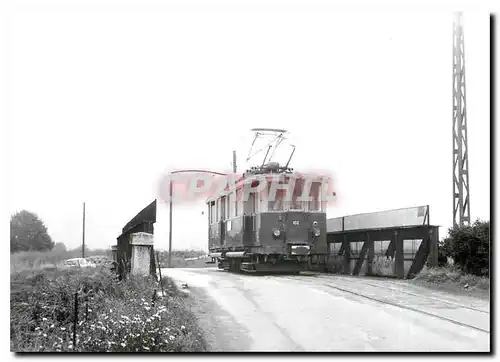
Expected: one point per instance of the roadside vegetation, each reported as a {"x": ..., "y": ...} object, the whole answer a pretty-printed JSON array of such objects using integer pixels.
[
  {"x": 60, "y": 309},
  {"x": 185, "y": 259},
  {"x": 464, "y": 261},
  {"x": 110, "y": 315}
]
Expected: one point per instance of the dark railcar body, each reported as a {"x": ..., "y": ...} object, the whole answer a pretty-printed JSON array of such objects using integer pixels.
[{"x": 282, "y": 241}]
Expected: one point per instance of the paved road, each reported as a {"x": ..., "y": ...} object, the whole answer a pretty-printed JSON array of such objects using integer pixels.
[{"x": 331, "y": 313}]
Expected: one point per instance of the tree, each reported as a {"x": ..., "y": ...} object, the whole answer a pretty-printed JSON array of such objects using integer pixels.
[
  {"x": 59, "y": 247},
  {"x": 28, "y": 233},
  {"x": 469, "y": 247}
]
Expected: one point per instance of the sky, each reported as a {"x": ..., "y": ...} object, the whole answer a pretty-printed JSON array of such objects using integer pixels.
[{"x": 103, "y": 103}]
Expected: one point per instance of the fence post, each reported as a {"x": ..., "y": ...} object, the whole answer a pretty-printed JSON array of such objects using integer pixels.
[
  {"x": 75, "y": 320},
  {"x": 159, "y": 268}
]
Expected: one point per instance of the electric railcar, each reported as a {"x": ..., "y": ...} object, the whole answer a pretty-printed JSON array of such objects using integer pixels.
[{"x": 258, "y": 235}]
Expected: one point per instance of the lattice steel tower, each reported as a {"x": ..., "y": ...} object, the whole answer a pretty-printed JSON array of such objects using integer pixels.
[{"x": 461, "y": 195}]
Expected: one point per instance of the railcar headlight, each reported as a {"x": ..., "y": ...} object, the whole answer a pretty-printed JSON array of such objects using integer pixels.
[
  {"x": 315, "y": 223},
  {"x": 276, "y": 232}
]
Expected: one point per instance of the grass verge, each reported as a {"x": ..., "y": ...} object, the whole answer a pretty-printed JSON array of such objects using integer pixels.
[
  {"x": 452, "y": 279},
  {"x": 112, "y": 315}
]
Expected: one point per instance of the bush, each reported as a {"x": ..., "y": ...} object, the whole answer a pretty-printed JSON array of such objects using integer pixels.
[{"x": 468, "y": 246}]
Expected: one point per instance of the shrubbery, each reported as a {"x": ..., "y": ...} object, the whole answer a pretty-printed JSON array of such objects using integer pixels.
[
  {"x": 468, "y": 247},
  {"x": 112, "y": 315}
]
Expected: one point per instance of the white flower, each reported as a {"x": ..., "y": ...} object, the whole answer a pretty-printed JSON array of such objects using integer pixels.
[
  {"x": 146, "y": 348},
  {"x": 52, "y": 326},
  {"x": 63, "y": 329},
  {"x": 125, "y": 317},
  {"x": 182, "y": 327},
  {"x": 171, "y": 338},
  {"x": 45, "y": 335},
  {"x": 44, "y": 319},
  {"x": 147, "y": 308},
  {"x": 123, "y": 344}
]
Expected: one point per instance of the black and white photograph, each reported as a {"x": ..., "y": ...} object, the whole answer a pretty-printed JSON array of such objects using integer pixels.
[{"x": 213, "y": 177}]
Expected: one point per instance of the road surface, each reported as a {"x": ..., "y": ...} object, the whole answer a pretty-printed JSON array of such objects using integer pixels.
[{"x": 331, "y": 313}]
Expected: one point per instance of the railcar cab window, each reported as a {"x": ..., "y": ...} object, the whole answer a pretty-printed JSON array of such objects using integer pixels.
[
  {"x": 283, "y": 202},
  {"x": 315, "y": 194}
]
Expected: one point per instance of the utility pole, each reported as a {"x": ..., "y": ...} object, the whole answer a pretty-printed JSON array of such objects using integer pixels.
[
  {"x": 234, "y": 161},
  {"x": 83, "y": 232},
  {"x": 461, "y": 195},
  {"x": 170, "y": 229}
]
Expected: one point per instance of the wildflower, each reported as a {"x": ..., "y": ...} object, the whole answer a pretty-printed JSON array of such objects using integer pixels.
[
  {"x": 37, "y": 328},
  {"x": 146, "y": 348},
  {"x": 111, "y": 311},
  {"x": 182, "y": 327},
  {"x": 171, "y": 338},
  {"x": 125, "y": 317},
  {"x": 63, "y": 328},
  {"x": 44, "y": 319},
  {"x": 147, "y": 308},
  {"x": 51, "y": 326},
  {"x": 123, "y": 345},
  {"x": 45, "y": 334}
]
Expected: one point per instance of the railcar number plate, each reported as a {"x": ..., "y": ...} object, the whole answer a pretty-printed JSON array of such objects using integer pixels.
[{"x": 296, "y": 222}]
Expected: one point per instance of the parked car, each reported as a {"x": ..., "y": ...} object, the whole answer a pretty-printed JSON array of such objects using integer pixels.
[
  {"x": 79, "y": 263},
  {"x": 103, "y": 261}
]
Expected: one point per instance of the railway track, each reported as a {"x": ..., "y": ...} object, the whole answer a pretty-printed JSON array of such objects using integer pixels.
[
  {"x": 398, "y": 305},
  {"x": 413, "y": 294}
]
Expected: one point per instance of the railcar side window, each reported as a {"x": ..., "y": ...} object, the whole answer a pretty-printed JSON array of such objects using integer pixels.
[
  {"x": 217, "y": 208},
  {"x": 212, "y": 212},
  {"x": 223, "y": 208},
  {"x": 239, "y": 202},
  {"x": 230, "y": 205}
]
